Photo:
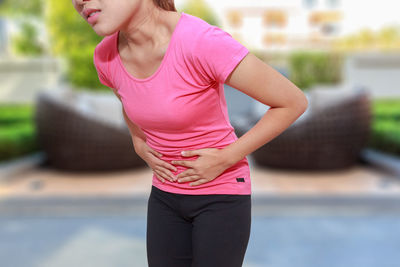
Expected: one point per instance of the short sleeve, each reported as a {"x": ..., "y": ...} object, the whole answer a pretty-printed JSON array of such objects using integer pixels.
[
  {"x": 100, "y": 73},
  {"x": 217, "y": 53}
]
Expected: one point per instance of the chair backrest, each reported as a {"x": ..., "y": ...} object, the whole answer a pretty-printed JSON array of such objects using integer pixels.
[
  {"x": 322, "y": 98},
  {"x": 104, "y": 107}
]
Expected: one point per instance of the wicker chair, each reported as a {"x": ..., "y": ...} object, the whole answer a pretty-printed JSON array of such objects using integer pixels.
[
  {"x": 329, "y": 135},
  {"x": 78, "y": 140}
]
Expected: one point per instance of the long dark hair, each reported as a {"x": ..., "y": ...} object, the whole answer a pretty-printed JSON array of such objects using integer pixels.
[{"x": 168, "y": 5}]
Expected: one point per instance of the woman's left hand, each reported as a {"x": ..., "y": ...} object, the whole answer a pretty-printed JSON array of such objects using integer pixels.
[{"x": 205, "y": 168}]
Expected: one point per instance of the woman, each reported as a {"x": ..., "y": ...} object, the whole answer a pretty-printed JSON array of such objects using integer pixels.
[{"x": 168, "y": 69}]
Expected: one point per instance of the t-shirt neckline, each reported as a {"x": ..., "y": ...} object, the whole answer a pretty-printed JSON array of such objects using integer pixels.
[{"x": 167, "y": 52}]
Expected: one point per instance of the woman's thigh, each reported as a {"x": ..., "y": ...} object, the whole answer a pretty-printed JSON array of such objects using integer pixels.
[
  {"x": 221, "y": 232},
  {"x": 168, "y": 235}
]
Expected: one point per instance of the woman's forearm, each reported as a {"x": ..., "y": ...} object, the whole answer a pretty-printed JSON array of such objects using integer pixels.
[{"x": 274, "y": 122}]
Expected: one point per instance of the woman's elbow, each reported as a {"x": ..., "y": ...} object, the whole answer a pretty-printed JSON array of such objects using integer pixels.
[
  {"x": 299, "y": 101},
  {"x": 303, "y": 103}
]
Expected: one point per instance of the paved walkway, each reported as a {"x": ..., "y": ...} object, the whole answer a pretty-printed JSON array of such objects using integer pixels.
[{"x": 54, "y": 218}]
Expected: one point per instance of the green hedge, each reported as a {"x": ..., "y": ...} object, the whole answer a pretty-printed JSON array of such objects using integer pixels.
[
  {"x": 17, "y": 131},
  {"x": 386, "y": 126},
  {"x": 387, "y": 109},
  {"x": 11, "y": 114},
  {"x": 308, "y": 68}
]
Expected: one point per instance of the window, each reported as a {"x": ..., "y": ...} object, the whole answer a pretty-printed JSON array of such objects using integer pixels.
[
  {"x": 275, "y": 18},
  {"x": 234, "y": 18}
]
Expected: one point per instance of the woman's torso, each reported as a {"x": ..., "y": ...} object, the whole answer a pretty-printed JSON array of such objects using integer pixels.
[{"x": 177, "y": 108}]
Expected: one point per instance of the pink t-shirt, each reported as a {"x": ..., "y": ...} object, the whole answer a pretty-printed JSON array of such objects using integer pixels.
[{"x": 182, "y": 105}]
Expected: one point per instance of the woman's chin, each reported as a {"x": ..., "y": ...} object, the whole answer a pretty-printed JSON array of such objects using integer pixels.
[{"x": 102, "y": 32}]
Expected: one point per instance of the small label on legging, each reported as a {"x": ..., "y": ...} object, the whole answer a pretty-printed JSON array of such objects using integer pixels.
[{"x": 240, "y": 179}]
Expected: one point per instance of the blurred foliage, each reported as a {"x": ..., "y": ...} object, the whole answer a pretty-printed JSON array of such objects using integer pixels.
[
  {"x": 386, "y": 126},
  {"x": 81, "y": 71},
  {"x": 17, "y": 131},
  {"x": 19, "y": 8},
  {"x": 72, "y": 38},
  {"x": 387, "y": 38},
  {"x": 387, "y": 109},
  {"x": 308, "y": 68},
  {"x": 68, "y": 31},
  {"x": 26, "y": 41},
  {"x": 69, "y": 35},
  {"x": 199, "y": 8},
  {"x": 11, "y": 113}
]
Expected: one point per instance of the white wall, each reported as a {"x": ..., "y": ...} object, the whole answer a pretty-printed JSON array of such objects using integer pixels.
[{"x": 21, "y": 79}]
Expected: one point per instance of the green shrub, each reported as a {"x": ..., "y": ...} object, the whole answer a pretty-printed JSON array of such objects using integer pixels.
[
  {"x": 11, "y": 113},
  {"x": 17, "y": 140},
  {"x": 385, "y": 126},
  {"x": 387, "y": 109},
  {"x": 308, "y": 68},
  {"x": 386, "y": 136},
  {"x": 17, "y": 131}
]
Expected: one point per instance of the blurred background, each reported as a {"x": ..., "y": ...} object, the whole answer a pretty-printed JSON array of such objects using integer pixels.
[{"x": 325, "y": 192}]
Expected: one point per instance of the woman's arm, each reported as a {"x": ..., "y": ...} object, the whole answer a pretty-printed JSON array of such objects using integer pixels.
[{"x": 263, "y": 83}]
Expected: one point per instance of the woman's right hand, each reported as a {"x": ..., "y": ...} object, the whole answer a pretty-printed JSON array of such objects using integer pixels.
[{"x": 161, "y": 168}]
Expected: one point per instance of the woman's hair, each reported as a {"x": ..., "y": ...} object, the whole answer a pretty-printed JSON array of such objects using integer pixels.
[{"x": 168, "y": 5}]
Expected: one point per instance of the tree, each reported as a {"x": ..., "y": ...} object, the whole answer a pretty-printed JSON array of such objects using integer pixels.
[
  {"x": 73, "y": 39},
  {"x": 200, "y": 9},
  {"x": 387, "y": 38},
  {"x": 25, "y": 13}
]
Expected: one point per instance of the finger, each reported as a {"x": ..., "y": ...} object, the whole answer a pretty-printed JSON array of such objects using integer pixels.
[
  {"x": 186, "y": 163},
  {"x": 155, "y": 153},
  {"x": 198, "y": 182},
  {"x": 169, "y": 173},
  {"x": 168, "y": 166},
  {"x": 188, "y": 178},
  {"x": 158, "y": 177},
  {"x": 164, "y": 175},
  {"x": 189, "y": 153},
  {"x": 187, "y": 172},
  {"x": 165, "y": 164},
  {"x": 165, "y": 171}
]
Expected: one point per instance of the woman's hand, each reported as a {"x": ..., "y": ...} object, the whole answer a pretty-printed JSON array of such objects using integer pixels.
[
  {"x": 205, "y": 168},
  {"x": 161, "y": 168}
]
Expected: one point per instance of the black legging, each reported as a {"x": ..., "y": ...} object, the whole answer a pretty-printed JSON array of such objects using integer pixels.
[{"x": 197, "y": 230}]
